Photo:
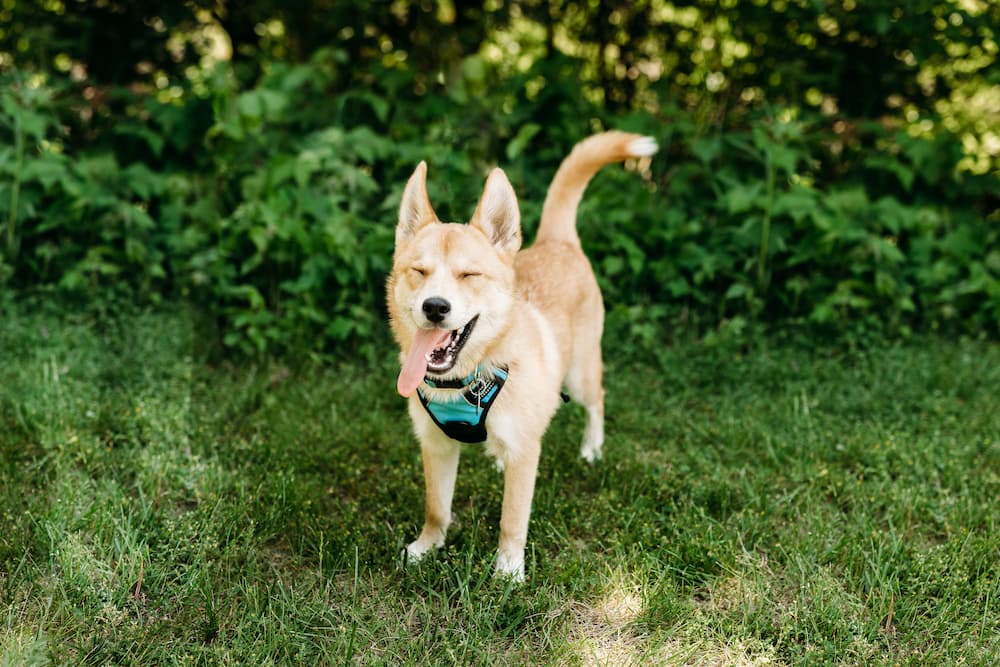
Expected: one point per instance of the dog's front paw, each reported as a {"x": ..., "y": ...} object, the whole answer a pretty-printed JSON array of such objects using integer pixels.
[
  {"x": 510, "y": 567},
  {"x": 416, "y": 551},
  {"x": 591, "y": 452}
]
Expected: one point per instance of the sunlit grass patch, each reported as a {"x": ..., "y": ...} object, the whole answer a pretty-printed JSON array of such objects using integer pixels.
[
  {"x": 602, "y": 631},
  {"x": 24, "y": 648},
  {"x": 698, "y": 651}
]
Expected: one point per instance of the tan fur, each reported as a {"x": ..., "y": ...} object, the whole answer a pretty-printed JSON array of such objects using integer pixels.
[{"x": 540, "y": 314}]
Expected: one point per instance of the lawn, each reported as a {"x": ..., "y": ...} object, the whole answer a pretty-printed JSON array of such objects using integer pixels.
[{"x": 757, "y": 504}]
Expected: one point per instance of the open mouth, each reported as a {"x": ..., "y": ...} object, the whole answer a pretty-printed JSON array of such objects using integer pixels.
[{"x": 442, "y": 359}]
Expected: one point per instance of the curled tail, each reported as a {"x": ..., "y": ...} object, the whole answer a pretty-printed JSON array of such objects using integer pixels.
[{"x": 559, "y": 212}]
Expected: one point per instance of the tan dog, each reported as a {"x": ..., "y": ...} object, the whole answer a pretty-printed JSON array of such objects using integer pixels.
[{"x": 490, "y": 335}]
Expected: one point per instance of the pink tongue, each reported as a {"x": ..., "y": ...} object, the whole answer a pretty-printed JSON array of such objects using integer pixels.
[{"x": 415, "y": 365}]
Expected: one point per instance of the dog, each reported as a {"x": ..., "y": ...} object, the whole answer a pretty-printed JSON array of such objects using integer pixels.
[{"x": 490, "y": 334}]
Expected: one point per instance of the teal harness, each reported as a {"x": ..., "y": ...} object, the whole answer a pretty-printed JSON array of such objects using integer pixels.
[{"x": 464, "y": 419}]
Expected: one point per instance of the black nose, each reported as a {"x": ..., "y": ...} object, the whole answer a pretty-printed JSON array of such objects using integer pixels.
[{"x": 435, "y": 308}]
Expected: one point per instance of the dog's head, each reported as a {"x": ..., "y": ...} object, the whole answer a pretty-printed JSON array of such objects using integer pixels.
[{"x": 452, "y": 285}]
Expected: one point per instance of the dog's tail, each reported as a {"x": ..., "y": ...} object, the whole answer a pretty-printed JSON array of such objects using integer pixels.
[{"x": 559, "y": 212}]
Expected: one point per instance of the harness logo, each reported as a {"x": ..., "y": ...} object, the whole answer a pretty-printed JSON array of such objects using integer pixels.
[{"x": 481, "y": 387}]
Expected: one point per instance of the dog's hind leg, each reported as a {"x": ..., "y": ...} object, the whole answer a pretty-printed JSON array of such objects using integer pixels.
[{"x": 585, "y": 387}]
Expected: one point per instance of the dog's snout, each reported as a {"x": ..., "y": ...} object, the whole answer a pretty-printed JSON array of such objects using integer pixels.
[{"x": 435, "y": 308}]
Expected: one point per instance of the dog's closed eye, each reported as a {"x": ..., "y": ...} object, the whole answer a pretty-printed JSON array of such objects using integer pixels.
[
  {"x": 417, "y": 270},
  {"x": 469, "y": 274}
]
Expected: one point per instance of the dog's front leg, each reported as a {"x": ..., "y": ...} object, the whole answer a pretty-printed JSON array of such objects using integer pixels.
[
  {"x": 518, "y": 488},
  {"x": 440, "y": 457}
]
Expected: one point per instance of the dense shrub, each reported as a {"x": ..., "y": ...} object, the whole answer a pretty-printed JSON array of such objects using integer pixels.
[
  {"x": 749, "y": 226},
  {"x": 269, "y": 198}
]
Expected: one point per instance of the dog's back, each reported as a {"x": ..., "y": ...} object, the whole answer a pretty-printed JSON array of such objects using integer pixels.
[{"x": 554, "y": 274}]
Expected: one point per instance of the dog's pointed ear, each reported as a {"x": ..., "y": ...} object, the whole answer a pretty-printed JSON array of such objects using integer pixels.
[
  {"x": 415, "y": 209},
  {"x": 497, "y": 215}
]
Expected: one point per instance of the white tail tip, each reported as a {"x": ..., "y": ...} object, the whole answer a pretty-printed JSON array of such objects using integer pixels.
[{"x": 642, "y": 147}]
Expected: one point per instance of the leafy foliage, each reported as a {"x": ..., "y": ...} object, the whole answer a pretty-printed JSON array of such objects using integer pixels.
[{"x": 263, "y": 185}]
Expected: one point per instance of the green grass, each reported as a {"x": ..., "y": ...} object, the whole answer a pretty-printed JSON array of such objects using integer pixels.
[{"x": 775, "y": 504}]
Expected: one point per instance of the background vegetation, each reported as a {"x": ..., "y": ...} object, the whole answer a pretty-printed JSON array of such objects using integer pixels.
[
  {"x": 832, "y": 167},
  {"x": 195, "y": 193}
]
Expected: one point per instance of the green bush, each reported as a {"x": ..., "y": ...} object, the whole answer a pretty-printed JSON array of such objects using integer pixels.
[
  {"x": 749, "y": 226},
  {"x": 271, "y": 204},
  {"x": 78, "y": 222}
]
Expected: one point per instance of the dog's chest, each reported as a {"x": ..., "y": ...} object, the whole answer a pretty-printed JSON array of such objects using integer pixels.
[{"x": 462, "y": 416}]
